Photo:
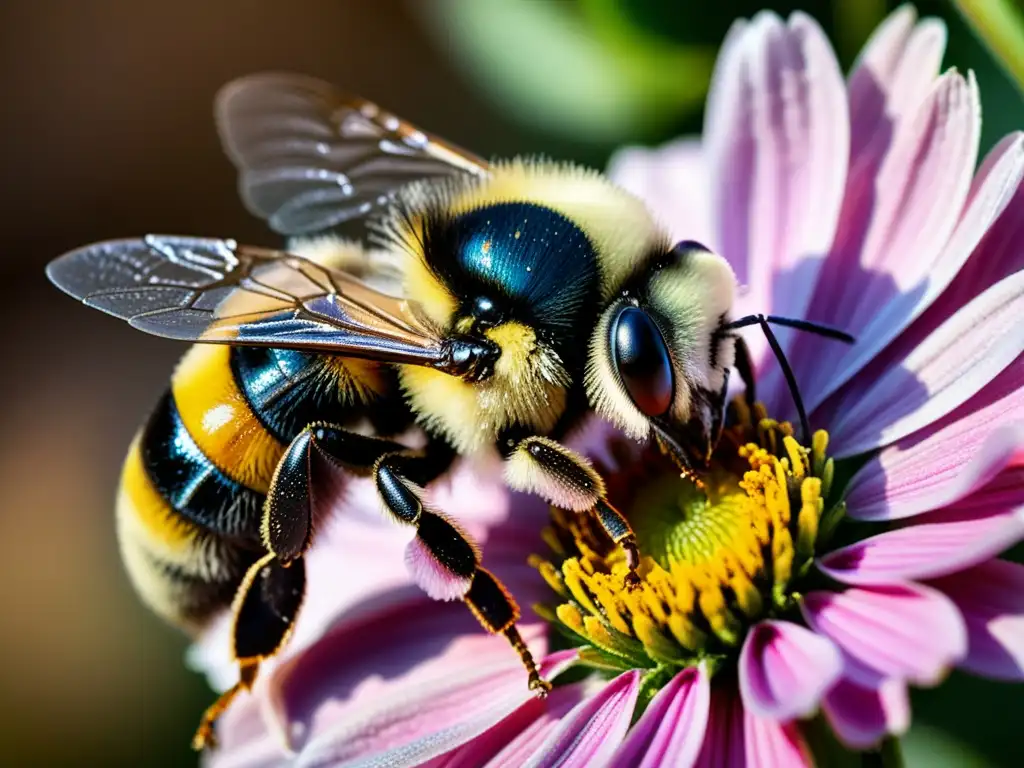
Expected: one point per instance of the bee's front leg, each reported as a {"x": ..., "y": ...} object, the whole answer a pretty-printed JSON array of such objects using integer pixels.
[{"x": 540, "y": 465}]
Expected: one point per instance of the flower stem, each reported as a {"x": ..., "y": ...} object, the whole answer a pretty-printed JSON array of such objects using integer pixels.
[
  {"x": 888, "y": 755},
  {"x": 1000, "y": 26}
]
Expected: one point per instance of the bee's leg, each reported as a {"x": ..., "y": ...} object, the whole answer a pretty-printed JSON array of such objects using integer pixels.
[
  {"x": 540, "y": 465},
  {"x": 268, "y": 600},
  {"x": 445, "y": 563},
  {"x": 745, "y": 367},
  {"x": 264, "y": 611}
]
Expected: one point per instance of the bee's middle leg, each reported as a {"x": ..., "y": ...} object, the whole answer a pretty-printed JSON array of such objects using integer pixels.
[{"x": 445, "y": 562}]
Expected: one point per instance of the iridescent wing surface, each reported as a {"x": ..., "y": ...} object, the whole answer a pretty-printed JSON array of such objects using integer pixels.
[
  {"x": 310, "y": 157},
  {"x": 211, "y": 290}
]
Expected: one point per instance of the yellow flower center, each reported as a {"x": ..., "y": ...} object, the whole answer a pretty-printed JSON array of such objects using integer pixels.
[{"x": 716, "y": 559}]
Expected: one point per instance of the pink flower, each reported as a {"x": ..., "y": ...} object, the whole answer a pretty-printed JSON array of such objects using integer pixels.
[{"x": 855, "y": 204}]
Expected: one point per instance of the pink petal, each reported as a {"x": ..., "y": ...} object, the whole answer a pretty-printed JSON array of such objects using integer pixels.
[
  {"x": 729, "y": 178},
  {"x": 991, "y": 598},
  {"x": 999, "y": 252},
  {"x": 862, "y": 716},
  {"x": 428, "y": 718},
  {"x": 905, "y": 198},
  {"x": 784, "y": 669},
  {"x": 673, "y": 181},
  {"x": 361, "y": 662},
  {"x": 893, "y": 74},
  {"x": 945, "y": 461},
  {"x": 906, "y": 632},
  {"x": 937, "y": 543},
  {"x": 995, "y": 197},
  {"x": 514, "y": 738},
  {"x": 737, "y": 738},
  {"x": 777, "y": 137},
  {"x": 771, "y": 744},
  {"x": 871, "y": 77},
  {"x": 959, "y": 358},
  {"x": 995, "y": 214},
  {"x": 921, "y": 188},
  {"x": 919, "y": 65},
  {"x": 518, "y": 750},
  {"x": 671, "y": 729},
  {"x": 243, "y": 739},
  {"x": 724, "y": 739},
  {"x": 590, "y": 734}
]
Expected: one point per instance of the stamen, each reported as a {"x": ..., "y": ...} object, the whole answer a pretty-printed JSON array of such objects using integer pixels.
[
  {"x": 810, "y": 513},
  {"x": 718, "y": 558}
]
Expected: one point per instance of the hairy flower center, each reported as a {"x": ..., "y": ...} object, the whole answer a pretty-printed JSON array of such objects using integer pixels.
[{"x": 716, "y": 559}]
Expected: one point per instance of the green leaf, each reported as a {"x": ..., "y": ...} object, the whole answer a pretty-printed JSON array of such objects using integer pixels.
[
  {"x": 937, "y": 748},
  {"x": 1000, "y": 26},
  {"x": 577, "y": 73},
  {"x": 854, "y": 21}
]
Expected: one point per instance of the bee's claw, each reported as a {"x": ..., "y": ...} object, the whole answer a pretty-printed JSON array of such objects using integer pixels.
[
  {"x": 539, "y": 686},
  {"x": 205, "y": 738}
]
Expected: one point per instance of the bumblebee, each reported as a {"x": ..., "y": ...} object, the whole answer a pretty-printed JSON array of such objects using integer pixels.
[{"x": 497, "y": 306}]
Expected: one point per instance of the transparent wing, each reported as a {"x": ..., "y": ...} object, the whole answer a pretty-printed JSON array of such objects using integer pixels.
[
  {"x": 310, "y": 157},
  {"x": 210, "y": 290}
]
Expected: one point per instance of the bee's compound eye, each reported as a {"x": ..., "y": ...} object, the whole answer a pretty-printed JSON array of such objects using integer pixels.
[{"x": 642, "y": 361}]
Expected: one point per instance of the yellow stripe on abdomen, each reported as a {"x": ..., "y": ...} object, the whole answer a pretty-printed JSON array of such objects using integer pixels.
[
  {"x": 144, "y": 514},
  {"x": 219, "y": 419},
  {"x": 151, "y": 534}
]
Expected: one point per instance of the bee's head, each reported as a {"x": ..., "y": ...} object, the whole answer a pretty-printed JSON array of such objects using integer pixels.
[{"x": 659, "y": 357}]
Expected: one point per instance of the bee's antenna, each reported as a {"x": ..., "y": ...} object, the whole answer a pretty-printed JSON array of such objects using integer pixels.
[
  {"x": 789, "y": 322},
  {"x": 800, "y": 325}
]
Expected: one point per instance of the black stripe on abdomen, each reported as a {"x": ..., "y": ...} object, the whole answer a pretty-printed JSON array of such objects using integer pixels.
[
  {"x": 191, "y": 483},
  {"x": 197, "y": 599}
]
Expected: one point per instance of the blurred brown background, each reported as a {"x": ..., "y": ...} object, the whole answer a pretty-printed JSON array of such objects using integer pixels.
[{"x": 106, "y": 131}]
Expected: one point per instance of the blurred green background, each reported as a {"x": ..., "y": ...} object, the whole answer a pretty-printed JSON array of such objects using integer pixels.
[{"x": 107, "y": 132}]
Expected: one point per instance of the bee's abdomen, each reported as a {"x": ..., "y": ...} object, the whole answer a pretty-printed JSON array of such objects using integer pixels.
[
  {"x": 192, "y": 483},
  {"x": 192, "y": 491},
  {"x": 195, "y": 480},
  {"x": 214, "y": 411},
  {"x": 181, "y": 569}
]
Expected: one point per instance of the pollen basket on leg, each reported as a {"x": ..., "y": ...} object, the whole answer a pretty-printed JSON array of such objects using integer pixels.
[
  {"x": 542, "y": 466},
  {"x": 716, "y": 560},
  {"x": 441, "y": 559}
]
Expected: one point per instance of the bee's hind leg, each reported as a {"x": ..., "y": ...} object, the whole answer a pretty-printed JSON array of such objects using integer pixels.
[
  {"x": 269, "y": 598},
  {"x": 264, "y": 612}
]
